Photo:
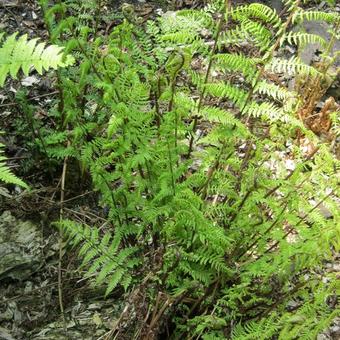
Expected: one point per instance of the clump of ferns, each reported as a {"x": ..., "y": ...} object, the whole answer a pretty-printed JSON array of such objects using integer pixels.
[{"x": 223, "y": 223}]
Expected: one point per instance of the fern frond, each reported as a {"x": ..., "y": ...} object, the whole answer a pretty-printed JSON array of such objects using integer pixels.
[
  {"x": 279, "y": 93},
  {"x": 259, "y": 11},
  {"x": 6, "y": 175},
  {"x": 266, "y": 110},
  {"x": 261, "y": 35},
  {"x": 235, "y": 36},
  {"x": 110, "y": 263},
  {"x": 252, "y": 330},
  {"x": 217, "y": 115},
  {"x": 303, "y": 39},
  {"x": 237, "y": 62},
  {"x": 302, "y": 15},
  {"x": 293, "y": 66},
  {"x": 226, "y": 90},
  {"x": 16, "y": 54}
]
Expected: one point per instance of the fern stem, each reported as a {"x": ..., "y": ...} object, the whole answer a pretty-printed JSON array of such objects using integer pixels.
[
  {"x": 170, "y": 107},
  {"x": 113, "y": 200},
  {"x": 157, "y": 93},
  {"x": 98, "y": 16},
  {"x": 171, "y": 168},
  {"x": 301, "y": 219},
  {"x": 61, "y": 103},
  {"x": 221, "y": 21},
  {"x": 213, "y": 169}
]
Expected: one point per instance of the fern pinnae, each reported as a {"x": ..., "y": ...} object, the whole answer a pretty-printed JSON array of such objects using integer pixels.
[
  {"x": 277, "y": 92},
  {"x": 236, "y": 62},
  {"x": 6, "y": 175},
  {"x": 293, "y": 66},
  {"x": 302, "y": 15},
  {"x": 16, "y": 54},
  {"x": 302, "y": 39}
]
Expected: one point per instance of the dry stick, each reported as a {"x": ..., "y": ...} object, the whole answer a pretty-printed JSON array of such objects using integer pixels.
[
  {"x": 31, "y": 98},
  {"x": 160, "y": 313},
  {"x": 156, "y": 306},
  {"x": 13, "y": 298},
  {"x": 61, "y": 215}
]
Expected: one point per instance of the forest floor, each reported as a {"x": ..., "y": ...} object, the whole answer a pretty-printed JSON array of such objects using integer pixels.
[{"x": 29, "y": 307}]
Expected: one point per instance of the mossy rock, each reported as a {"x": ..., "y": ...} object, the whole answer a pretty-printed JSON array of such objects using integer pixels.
[{"x": 20, "y": 248}]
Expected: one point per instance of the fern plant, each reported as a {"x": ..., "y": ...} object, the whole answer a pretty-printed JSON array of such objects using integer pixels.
[{"x": 183, "y": 157}]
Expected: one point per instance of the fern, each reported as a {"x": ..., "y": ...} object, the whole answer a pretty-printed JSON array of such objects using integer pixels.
[
  {"x": 106, "y": 261},
  {"x": 237, "y": 62},
  {"x": 183, "y": 157},
  {"x": 303, "y": 39},
  {"x": 293, "y": 66},
  {"x": 6, "y": 175},
  {"x": 16, "y": 54},
  {"x": 301, "y": 15}
]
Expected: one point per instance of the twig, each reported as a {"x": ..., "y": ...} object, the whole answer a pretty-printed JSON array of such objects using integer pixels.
[
  {"x": 31, "y": 98},
  {"x": 62, "y": 196}
]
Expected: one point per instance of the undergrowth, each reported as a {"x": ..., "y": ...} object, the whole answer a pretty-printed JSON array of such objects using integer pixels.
[{"x": 185, "y": 129}]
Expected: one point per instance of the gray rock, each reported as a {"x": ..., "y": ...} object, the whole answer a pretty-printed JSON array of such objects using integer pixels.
[
  {"x": 20, "y": 248},
  {"x": 4, "y": 334},
  {"x": 319, "y": 28}
]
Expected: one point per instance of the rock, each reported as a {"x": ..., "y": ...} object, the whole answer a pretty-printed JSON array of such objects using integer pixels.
[
  {"x": 20, "y": 248},
  {"x": 319, "y": 28},
  {"x": 4, "y": 334}
]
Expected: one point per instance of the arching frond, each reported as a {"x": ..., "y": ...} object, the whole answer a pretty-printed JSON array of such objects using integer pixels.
[
  {"x": 259, "y": 11},
  {"x": 292, "y": 66},
  {"x": 279, "y": 93},
  {"x": 303, "y": 39},
  {"x": 302, "y": 15},
  {"x": 226, "y": 90},
  {"x": 16, "y": 54},
  {"x": 237, "y": 62}
]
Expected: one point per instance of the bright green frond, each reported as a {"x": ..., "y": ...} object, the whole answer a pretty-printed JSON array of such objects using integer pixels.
[
  {"x": 16, "y": 54},
  {"x": 6, "y": 175},
  {"x": 292, "y": 66},
  {"x": 302, "y": 15}
]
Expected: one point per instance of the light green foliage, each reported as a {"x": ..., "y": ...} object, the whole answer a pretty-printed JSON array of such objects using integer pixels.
[
  {"x": 16, "y": 54},
  {"x": 6, "y": 175},
  {"x": 205, "y": 212},
  {"x": 112, "y": 266}
]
